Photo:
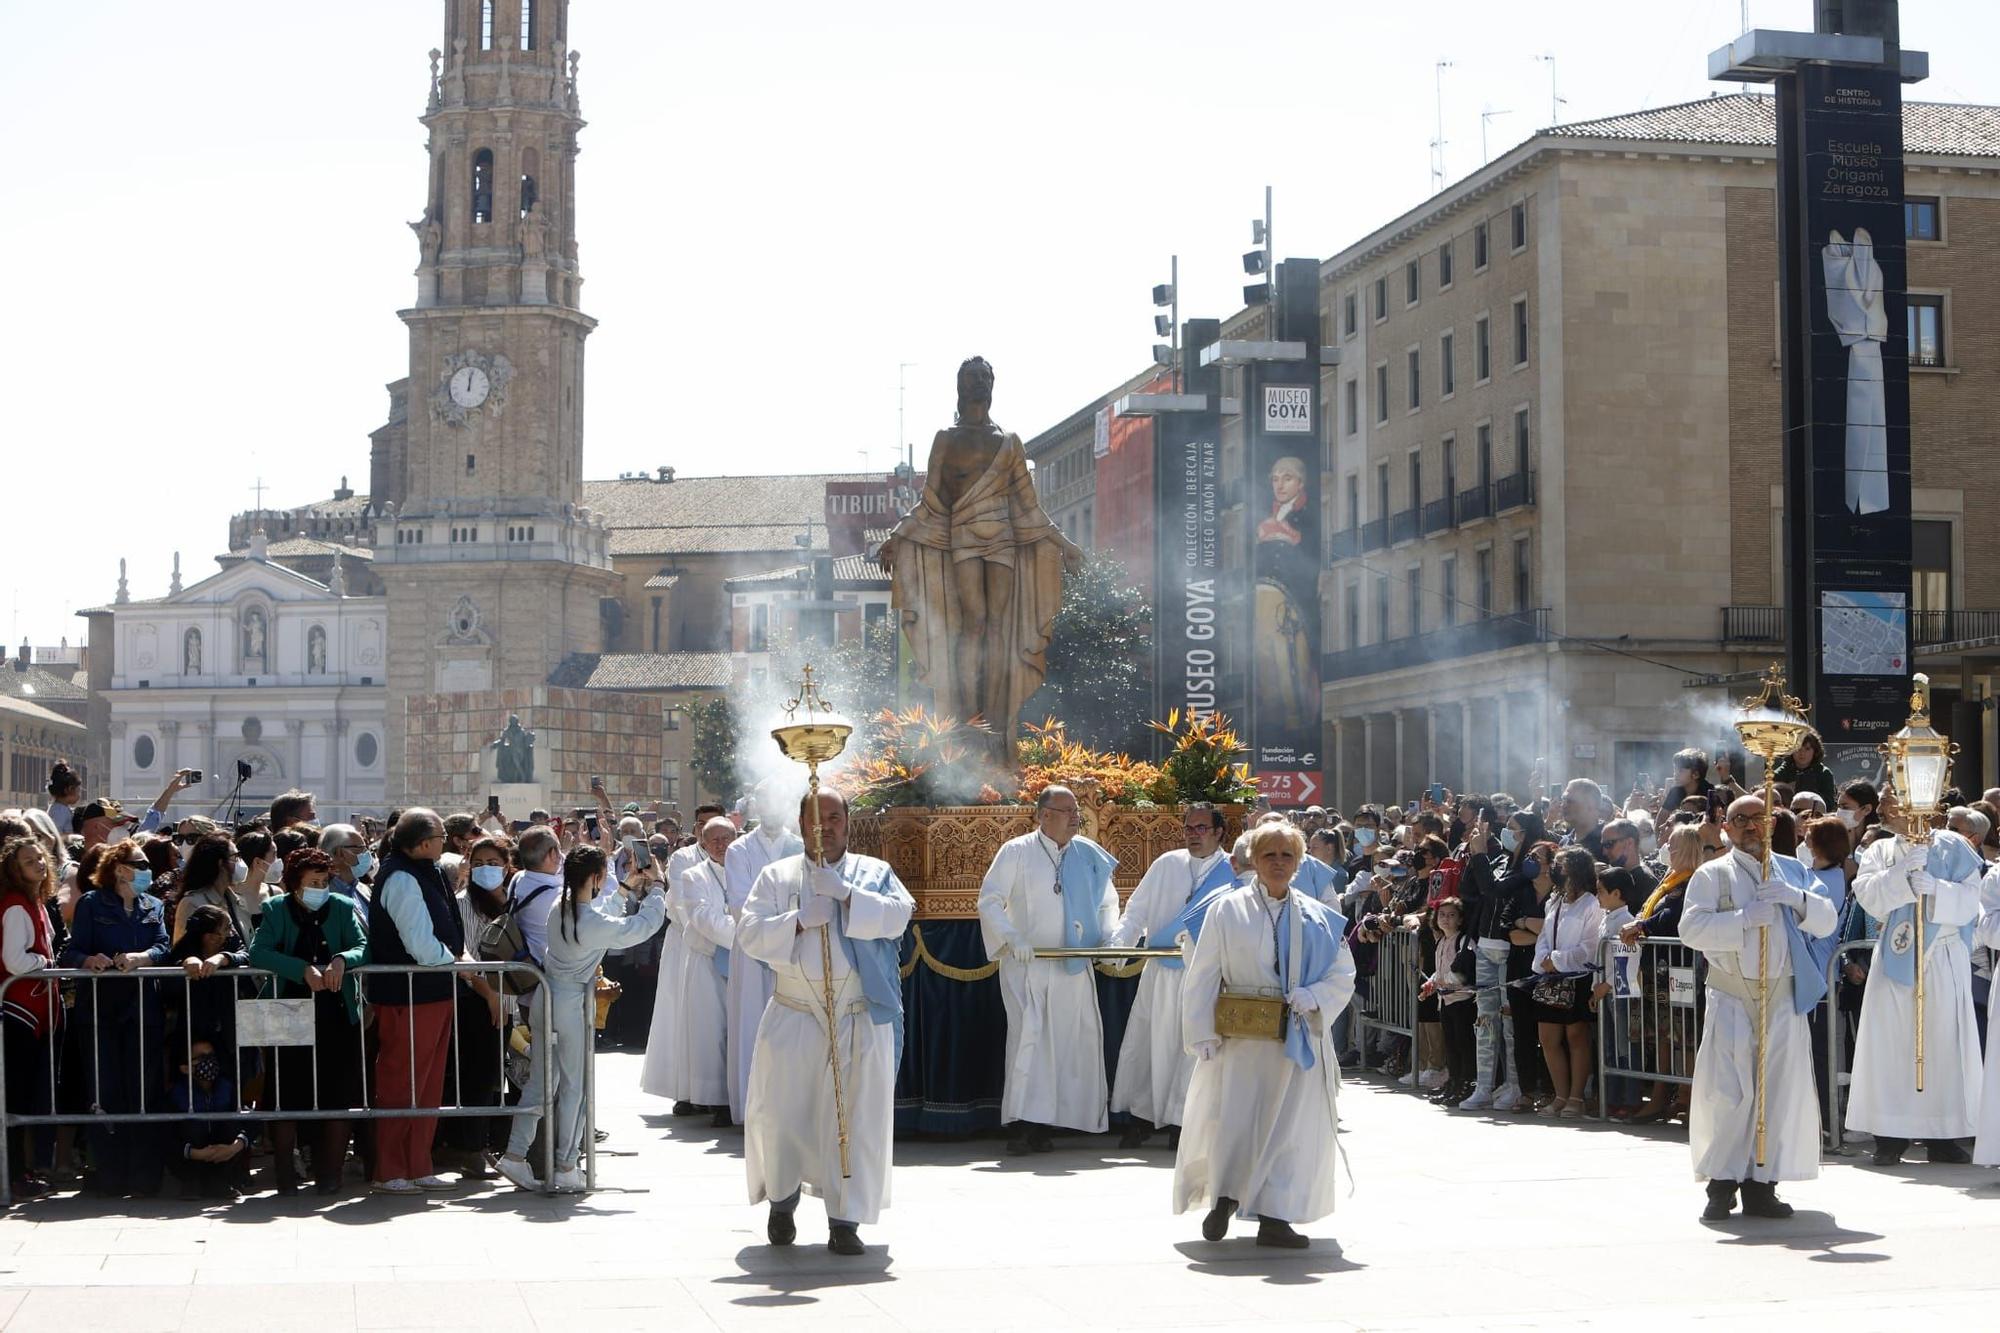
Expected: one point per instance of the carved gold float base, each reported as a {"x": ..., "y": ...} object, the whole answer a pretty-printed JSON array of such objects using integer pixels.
[{"x": 941, "y": 853}]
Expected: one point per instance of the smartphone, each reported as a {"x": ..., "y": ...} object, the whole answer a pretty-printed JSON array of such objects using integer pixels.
[
  {"x": 1644, "y": 782},
  {"x": 519, "y": 826},
  {"x": 641, "y": 852},
  {"x": 191, "y": 776},
  {"x": 492, "y": 805},
  {"x": 597, "y": 784},
  {"x": 1434, "y": 793}
]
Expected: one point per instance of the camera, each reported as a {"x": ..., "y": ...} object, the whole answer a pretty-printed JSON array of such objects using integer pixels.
[
  {"x": 242, "y": 771},
  {"x": 190, "y": 776}
]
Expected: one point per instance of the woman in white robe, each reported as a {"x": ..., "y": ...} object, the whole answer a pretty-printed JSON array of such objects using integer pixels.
[
  {"x": 685, "y": 1049},
  {"x": 1260, "y": 1134}
]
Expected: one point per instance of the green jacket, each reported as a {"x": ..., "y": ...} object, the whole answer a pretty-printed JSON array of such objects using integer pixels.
[{"x": 278, "y": 936}]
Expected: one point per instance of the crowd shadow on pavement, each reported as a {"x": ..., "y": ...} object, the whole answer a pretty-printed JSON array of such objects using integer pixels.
[
  {"x": 1807, "y": 1231},
  {"x": 1241, "y": 1257},
  {"x": 694, "y": 1129}
]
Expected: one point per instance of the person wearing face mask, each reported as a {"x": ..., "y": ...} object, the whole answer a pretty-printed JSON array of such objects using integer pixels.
[
  {"x": 1367, "y": 841},
  {"x": 686, "y": 1053},
  {"x": 1261, "y": 1133},
  {"x": 213, "y": 877},
  {"x": 586, "y": 922},
  {"x": 120, "y": 926},
  {"x": 1492, "y": 862},
  {"x": 352, "y": 864},
  {"x": 481, "y": 1014},
  {"x": 1050, "y": 888},
  {"x": 209, "y": 1150},
  {"x": 312, "y": 940},
  {"x": 264, "y": 877}
]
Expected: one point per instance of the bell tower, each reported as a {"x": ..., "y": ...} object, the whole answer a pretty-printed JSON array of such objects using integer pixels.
[{"x": 493, "y": 571}]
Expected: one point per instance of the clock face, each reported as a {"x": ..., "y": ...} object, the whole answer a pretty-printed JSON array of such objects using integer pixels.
[{"x": 469, "y": 386}]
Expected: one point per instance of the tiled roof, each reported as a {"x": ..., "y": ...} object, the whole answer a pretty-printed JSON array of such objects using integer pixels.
[
  {"x": 38, "y": 684},
  {"x": 33, "y": 712},
  {"x": 356, "y": 505},
  {"x": 298, "y": 548},
  {"x": 848, "y": 571},
  {"x": 663, "y": 580},
  {"x": 643, "y": 671},
  {"x": 1939, "y": 128},
  {"x": 692, "y": 515},
  {"x": 858, "y": 569}
]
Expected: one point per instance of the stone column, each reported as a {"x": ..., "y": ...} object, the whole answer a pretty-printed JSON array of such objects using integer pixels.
[
  {"x": 336, "y": 762},
  {"x": 1337, "y": 768},
  {"x": 1431, "y": 741},
  {"x": 210, "y": 754},
  {"x": 295, "y": 731},
  {"x": 1367, "y": 756},
  {"x": 1402, "y": 791},
  {"x": 1502, "y": 752},
  {"x": 1464, "y": 744}
]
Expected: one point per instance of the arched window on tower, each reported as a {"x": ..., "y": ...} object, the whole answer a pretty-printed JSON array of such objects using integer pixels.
[
  {"x": 527, "y": 25},
  {"x": 482, "y": 185},
  {"x": 486, "y": 25}
]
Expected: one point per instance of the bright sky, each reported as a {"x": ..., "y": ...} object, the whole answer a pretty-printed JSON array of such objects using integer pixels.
[{"x": 778, "y": 204}]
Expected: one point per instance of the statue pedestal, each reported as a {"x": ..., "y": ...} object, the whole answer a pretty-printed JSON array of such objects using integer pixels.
[{"x": 518, "y": 798}]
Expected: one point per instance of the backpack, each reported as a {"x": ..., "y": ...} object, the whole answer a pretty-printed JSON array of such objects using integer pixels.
[
  {"x": 501, "y": 940},
  {"x": 1444, "y": 882}
]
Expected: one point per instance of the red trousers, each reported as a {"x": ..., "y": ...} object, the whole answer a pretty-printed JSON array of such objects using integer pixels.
[{"x": 416, "y": 1043}]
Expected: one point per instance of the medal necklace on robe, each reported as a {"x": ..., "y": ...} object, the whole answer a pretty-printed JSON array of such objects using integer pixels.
[{"x": 1274, "y": 917}]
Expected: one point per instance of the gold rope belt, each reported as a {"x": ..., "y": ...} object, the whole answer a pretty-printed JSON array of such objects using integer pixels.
[{"x": 921, "y": 953}]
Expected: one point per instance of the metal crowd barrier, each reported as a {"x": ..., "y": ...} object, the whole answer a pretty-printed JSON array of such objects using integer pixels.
[
  {"x": 260, "y": 1023},
  {"x": 1838, "y": 1044},
  {"x": 1392, "y": 995},
  {"x": 1662, "y": 1023}
]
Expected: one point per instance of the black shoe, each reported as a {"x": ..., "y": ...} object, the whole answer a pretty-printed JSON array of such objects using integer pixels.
[
  {"x": 1017, "y": 1145},
  {"x": 1280, "y": 1236},
  {"x": 330, "y": 1186},
  {"x": 1760, "y": 1199},
  {"x": 1888, "y": 1152},
  {"x": 1134, "y": 1136},
  {"x": 721, "y": 1119},
  {"x": 844, "y": 1240},
  {"x": 1039, "y": 1140},
  {"x": 686, "y": 1108},
  {"x": 780, "y": 1228},
  {"x": 1947, "y": 1152},
  {"x": 1455, "y": 1096},
  {"x": 1721, "y": 1200},
  {"x": 1216, "y": 1225},
  {"x": 1174, "y": 1138}
]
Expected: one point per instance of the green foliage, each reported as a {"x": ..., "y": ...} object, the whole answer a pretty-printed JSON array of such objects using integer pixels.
[
  {"x": 714, "y": 752},
  {"x": 1099, "y": 663},
  {"x": 1203, "y": 764}
]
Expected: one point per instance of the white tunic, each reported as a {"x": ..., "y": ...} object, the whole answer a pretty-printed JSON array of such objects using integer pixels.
[
  {"x": 749, "y": 986},
  {"x": 1153, "y": 1063},
  {"x": 790, "y": 1135},
  {"x": 1055, "y": 1036},
  {"x": 1259, "y": 1129},
  {"x": 1722, "y": 1117},
  {"x": 1884, "y": 1100},
  {"x": 684, "y": 1052},
  {"x": 1986, "y": 1151}
]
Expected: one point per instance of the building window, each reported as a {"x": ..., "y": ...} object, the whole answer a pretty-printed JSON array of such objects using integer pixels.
[
  {"x": 1416, "y": 379},
  {"x": 1482, "y": 576},
  {"x": 527, "y": 25},
  {"x": 528, "y": 193},
  {"x": 1416, "y": 599},
  {"x": 1411, "y": 283},
  {"x": 1521, "y": 331},
  {"x": 1448, "y": 598},
  {"x": 1482, "y": 349},
  {"x": 1921, "y": 218},
  {"x": 1518, "y": 219},
  {"x": 760, "y": 629},
  {"x": 1444, "y": 266},
  {"x": 1926, "y": 316},
  {"x": 143, "y": 753},
  {"x": 1382, "y": 490},
  {"x": 1485, "y": 447},
  {"x": 1353, "y": 500},
  {"x": 1524, "y": 575},
  {"x": 671, "y": 717},
  {"x": 366, "y": 750},
  {"x": 1416, "y": 478},
  {"x": 1350, "y": 405},
  {"x": 1382, "y": 392},
  {"x": 1521, "y": 441},
  {"x": 1348, "y": 319},
  {"x": 1930, "y": 566},
  {"x": 1447, "y": 371},
  {"x": 486, "y": 25},
  {"x": 1382, "y": 608},
  {"x": 1478, "y": 246},
  {"x": 670, "y": 779},
  {"x": 1381, "y": 299},
  {"x": 1353, "y": 615},
  {"x": 1449, "y": 450},
  {"x": 482, "y": 185}
]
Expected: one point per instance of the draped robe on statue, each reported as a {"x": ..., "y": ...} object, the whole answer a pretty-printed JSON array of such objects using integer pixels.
[
  {"x": 998, "y": 520},
  {"x": 1720, "y": 918},
  {"x": 1262, "y": 1116},
  {"x": 1884, "y": 1100},
  {"x": 1055, "y": 1036},
  {"x": 684, "y": 1051},
  {"x": 748, "y": 988},
  {"x": 790, "y": 1130},
  {"x": 1153, "y": 1063}
]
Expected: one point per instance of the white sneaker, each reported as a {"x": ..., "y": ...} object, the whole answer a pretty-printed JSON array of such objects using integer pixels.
[
  {"x": 567, "y": 1182},
  {"x": 1480, "y": 1100},
  {"x": 1407, "y": 1079},
  {"x": 396, "y": 1186},
  {"x": 434, "y": 1184},
  {"x": 1508, "y": 1098},
  {"x": 518, "y": 1173},
  {"x": 1432, "y": 1080}
]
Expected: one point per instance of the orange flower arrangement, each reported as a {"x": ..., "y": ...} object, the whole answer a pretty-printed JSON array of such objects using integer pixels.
[{"x": 1048, "y": 757}]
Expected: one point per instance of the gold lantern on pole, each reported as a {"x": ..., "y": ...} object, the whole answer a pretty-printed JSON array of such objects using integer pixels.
[
  {"x": 1773, "y": 726},
  {"x": 1918, "y": 762},
  {"x": 816, "y": 739}
]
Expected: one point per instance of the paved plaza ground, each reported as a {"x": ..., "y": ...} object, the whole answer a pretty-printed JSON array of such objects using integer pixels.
[{"x": 1457, "y": 1222}]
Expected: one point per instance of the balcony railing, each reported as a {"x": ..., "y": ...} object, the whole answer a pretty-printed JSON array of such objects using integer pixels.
[
  {"x": 1477, "y": 636},
  {"x": 1514, "y": 491},
  {"x": 1475, "y": 504},
  {"x": 1344, "y": 544},
  {"x": 1374, "y": 534},
  {"x": 1403, "y": 526},
  {"x": 1438, "y": 515},
  {"x": 1766, "y": 624}
]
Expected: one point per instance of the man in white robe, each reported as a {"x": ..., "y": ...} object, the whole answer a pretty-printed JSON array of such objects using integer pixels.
[
  {"x": 800, "y": 918},
  {"x": 684, "y": 1051},
  {"x": 1729, "y": 905},
  {"x": 1986, "y": 1147},
  {"x": 749, "y": 988},
  {"x": 1262, "y": 1112},
  {"x": 1883, "y": 1099},
  {"x": 1050, "y": 889},
  {"x": 1153, "y": 1064}
]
